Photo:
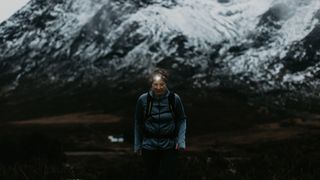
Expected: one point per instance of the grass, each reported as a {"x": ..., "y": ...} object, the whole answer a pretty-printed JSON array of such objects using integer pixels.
[
  {"x": 235, "y": 150},
  {"x": 28, "y": 153}
]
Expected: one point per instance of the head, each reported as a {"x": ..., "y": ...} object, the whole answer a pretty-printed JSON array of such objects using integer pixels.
[{"x": 159, "y": 81}]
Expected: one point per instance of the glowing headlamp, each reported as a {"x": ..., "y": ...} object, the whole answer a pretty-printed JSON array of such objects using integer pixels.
[{"x": 157, "y": 78}]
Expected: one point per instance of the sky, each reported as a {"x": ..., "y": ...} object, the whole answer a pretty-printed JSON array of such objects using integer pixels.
[{"x": 9, "y": 7}]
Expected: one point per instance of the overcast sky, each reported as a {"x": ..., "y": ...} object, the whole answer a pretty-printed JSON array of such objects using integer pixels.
[{"x": 9, "y": 7}]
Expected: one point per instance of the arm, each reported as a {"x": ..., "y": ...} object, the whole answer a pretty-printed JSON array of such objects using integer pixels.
[
  {"x": 138, "y": 118},
  {"x": 182, "y": 124}
]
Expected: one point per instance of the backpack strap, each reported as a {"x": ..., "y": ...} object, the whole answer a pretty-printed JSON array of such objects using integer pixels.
[
  {"x": 172, "y": 108},
  {"x": 149, "y": 106},
  {"x": 172, "y": 104},
  {"x": 147, "y": 114}
]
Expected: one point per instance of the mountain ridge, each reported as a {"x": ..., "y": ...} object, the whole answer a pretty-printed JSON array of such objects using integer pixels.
[{"x": 67, "y": 48}]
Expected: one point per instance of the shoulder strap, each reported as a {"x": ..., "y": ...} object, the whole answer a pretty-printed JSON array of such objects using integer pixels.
[
  {"x": 149, "y": 106},
  {"x": 172, "y": 107},
  {"x": 172, "y": 104}
]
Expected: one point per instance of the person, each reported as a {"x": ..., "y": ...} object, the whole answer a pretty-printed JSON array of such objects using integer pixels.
[{"x": 160, "y": 128}]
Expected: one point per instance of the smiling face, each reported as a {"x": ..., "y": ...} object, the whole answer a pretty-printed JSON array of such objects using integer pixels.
[{"x": 159, "y": 87}]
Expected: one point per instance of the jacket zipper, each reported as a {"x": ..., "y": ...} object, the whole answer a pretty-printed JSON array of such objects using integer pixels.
[{"x": 158, "y": 119}]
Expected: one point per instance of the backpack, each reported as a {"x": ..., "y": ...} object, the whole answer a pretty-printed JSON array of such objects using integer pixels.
[{"x": 172, "y": 109}]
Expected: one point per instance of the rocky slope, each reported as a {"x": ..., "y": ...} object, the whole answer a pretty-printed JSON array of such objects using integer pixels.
[{"x": 53, "y": 50}]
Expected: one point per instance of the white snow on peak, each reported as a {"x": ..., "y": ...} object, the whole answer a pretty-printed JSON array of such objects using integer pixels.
[
  {"x": 201, "y": 22},
  {"x": 204, "y": 20},
  {"x": 69, "y": 18},
  {"x": 207, "y": 22},
  {"x": 300, "y": 24}
]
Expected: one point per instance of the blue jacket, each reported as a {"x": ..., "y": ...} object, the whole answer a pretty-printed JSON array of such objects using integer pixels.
[{"x": 159, "y": 122}]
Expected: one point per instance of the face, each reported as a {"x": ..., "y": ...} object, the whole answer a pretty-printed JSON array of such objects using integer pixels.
[{"x": 159, "y": 87}]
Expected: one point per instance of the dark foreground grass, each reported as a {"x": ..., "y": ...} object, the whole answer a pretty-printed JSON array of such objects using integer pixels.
[{"x": 37, "y": 156}]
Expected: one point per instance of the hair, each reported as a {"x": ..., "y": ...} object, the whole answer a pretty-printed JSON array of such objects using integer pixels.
[{"x": 162, "y": 72}]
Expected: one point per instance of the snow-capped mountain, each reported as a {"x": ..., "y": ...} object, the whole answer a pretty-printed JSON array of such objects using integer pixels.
[{"x": 60, "y": 47}]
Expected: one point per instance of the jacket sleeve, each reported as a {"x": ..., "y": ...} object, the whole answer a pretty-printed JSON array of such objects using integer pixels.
[
  {"x": 138, "y": 118},
  {"x": 181, "y": 122}
]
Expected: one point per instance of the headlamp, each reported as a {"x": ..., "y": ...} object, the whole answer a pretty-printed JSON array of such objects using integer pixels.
[{"x": 157, "y": 78}]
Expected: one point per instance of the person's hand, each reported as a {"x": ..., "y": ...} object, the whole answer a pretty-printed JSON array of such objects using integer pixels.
[
  {"x": 139, "y": 152},
  {"x": 179, "y": 148}
]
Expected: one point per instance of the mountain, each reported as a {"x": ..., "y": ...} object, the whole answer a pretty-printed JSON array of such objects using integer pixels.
[{"x": 90, "y": 53}]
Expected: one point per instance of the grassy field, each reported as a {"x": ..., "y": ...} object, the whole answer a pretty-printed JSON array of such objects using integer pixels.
[{"x": 76, "y": 146}]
